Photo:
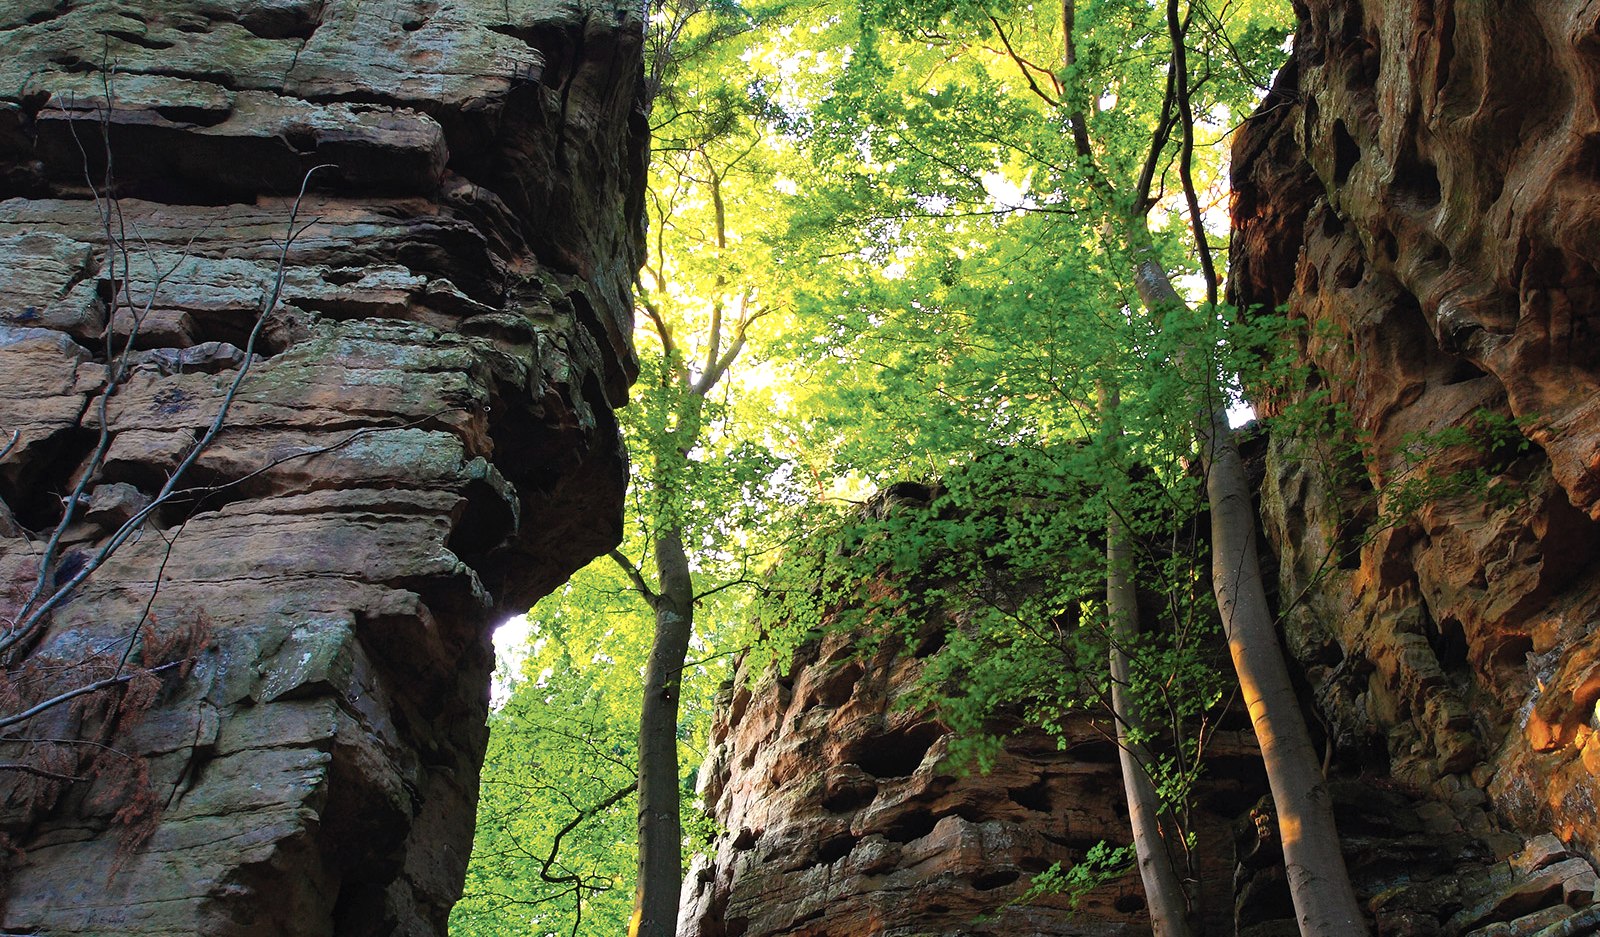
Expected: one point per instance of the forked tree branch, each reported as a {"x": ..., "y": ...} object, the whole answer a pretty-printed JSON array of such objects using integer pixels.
[
  {"x": 35, "y": 612},
  {"x": 636, "y": 578}
]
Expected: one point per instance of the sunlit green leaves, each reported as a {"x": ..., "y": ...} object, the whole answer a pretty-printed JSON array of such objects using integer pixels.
[{"x": 884, "y": 206}]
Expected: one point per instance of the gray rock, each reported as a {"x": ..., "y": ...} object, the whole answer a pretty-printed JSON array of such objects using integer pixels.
[{"x": 386, "y": 486}]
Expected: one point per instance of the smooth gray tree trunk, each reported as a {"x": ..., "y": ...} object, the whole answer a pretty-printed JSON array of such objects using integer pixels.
[
  {"x": 1165, "y": 899},
  {"x": 655, "y": 912},
  {"x": 1324, "y": 900}
]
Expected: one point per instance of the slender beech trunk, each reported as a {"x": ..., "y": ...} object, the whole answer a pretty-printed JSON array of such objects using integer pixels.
[
  {"x": 655, "y": 909},
  {"x": 1163, "y": 891},
  {"x": 655, "y": 903},
  {"x": 1324, "y": 901}
]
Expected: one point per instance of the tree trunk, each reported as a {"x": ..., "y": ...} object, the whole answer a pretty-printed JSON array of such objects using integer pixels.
[
  {"x": 1324, "y": 901},
  {"x": 1163, "y": 891},
  {"x": 655, "y": 907}
]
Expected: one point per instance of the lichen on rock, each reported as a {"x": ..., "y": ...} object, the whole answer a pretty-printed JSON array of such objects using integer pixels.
[{"x": 423, "y": 442}]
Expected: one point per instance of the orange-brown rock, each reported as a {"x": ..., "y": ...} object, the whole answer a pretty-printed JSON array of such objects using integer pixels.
[
  {"x": 845, "y": 813},
  {"x": 422, "y": 442},
  {"x": 1421, "y": 191}
]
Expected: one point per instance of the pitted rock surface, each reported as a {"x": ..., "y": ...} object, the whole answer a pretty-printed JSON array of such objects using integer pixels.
[
  {"x": 845, "y": 813},
  {"x": 1421, "y": 192},
  {"x": 423, "y": 442}
]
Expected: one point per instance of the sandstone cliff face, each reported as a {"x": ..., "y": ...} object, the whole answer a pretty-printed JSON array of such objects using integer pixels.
[
  {"x": 845, "y": 811},
  {"x": 1422, "y": 191},
  {"x": 422, "y": 443},
  {"x": 845, "y": 814}
]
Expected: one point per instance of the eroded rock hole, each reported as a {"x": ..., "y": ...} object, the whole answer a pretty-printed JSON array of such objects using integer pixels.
[
  {"x": 557, "y": 47},
  {"x": 994, "y": 880},
  {"x": 836, "y": 687},
  {"x": 34, "y": 489},
  {"x": 848, "y": 797},
  {"x": 1418, "y": 180},
  {"x": 1346, "y": 153},
  {"x": 1462, "y": 370},
  {"x": 283, "y": 21},
  {"x": 835, "y": 849},
  {"x": 1449, "y": 643},
  {"x": 1350, "y": 271},
  {"x": 913, "y": 824},
  {"x": 301, "y": 139},
  {"x": 485, "y": 521},
  {"x": 1332, "y": 224},
  {"x": 1035, "y": 797},
  {"x": 899, "y": 753}
]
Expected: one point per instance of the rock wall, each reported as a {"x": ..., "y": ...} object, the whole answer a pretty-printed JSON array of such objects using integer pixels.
[
  {"x": 422, "y": 441},
  {"x": 1422, "y": 191},
  {"x": 845, "y": 814},
  {"x": 843, "y": 809}
]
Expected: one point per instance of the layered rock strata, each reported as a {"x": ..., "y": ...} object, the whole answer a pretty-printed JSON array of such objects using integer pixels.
[
  {"x": 1420, "y": 192},
  {"x": 845, "y": 809},
  {"x": 421, "y": 442},
  {"x": 845, "y": 813}
]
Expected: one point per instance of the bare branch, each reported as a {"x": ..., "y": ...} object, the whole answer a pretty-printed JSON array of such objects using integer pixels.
[
  {"x": 1023, "y": 65},
  {"x": 1178, "y": 29},
  {"x": 40, "y": 772},
  {"x": 84, "y": 690},
  {"x": 583, "y": 815}
]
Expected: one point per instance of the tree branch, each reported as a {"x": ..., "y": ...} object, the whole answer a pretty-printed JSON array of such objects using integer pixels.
[
  {"x": 40, "y": 772},
  {"x": 636, "y": 577},
  {"x": 84, "y": 690},
  {"x": 555, "y": 846},
  {"x": 1022, "y": 65},
  {"x": 1176, "y": 29}
]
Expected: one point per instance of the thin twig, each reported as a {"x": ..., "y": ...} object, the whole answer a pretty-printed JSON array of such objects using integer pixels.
[
  {"x": 40, "y": 772},
  {"x": 76, "y": 692}
]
